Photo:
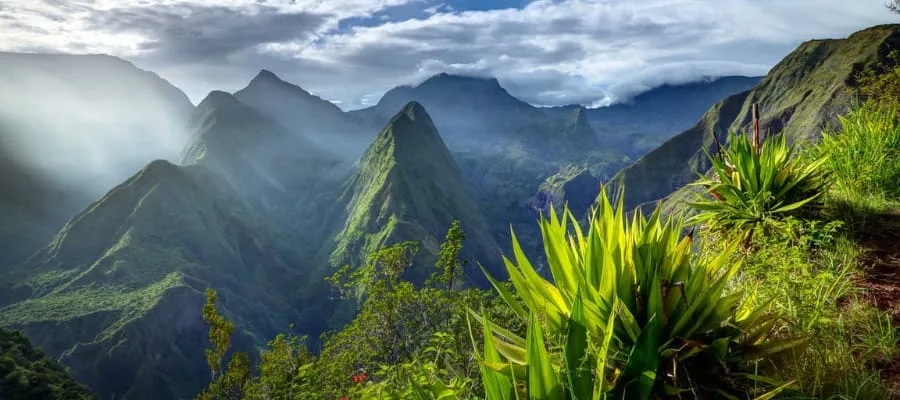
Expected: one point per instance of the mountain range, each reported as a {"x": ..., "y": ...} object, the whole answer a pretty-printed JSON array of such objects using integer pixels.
[{"x": 272, "y": 189}]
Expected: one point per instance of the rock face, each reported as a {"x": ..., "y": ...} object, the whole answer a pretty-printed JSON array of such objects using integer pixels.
[
  {"x": 805, "y": 90},
  {"x": 573, "y": 186}
]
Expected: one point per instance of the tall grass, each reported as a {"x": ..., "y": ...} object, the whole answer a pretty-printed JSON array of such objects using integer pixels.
[{"x": 864, "y": 160}]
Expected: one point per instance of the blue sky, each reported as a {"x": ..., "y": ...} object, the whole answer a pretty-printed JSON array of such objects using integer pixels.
[{"x": 546, "y": 52}]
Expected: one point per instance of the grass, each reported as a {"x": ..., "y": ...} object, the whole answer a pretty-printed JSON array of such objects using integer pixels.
[{"x": 812, "y": 274}]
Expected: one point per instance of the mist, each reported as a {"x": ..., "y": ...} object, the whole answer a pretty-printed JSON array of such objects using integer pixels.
[{"x": 88, "y": 122}]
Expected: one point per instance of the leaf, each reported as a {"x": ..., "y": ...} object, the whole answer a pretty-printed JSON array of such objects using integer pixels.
[
  {"x": 578, "y": 369},
  {"x": 543, "y": 383}
]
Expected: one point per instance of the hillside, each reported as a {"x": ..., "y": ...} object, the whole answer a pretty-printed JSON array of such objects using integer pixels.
[
  {"x": 56, "y": 108},
  {"x": 100, "y": 294},
  {"x": 27, "y": 373},
  {"x": 97, "y": 296},
  {"x": 638, "y": 125},
  {"x": 304, "y": 114},
  {"x": 34, "y": 207},
  {"x": 801, "y": 93},
  {"x": 408, "y": 187}
]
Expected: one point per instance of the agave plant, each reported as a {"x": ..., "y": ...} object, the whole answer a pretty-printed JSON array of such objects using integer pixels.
[
  {"x": 757, "y": 186},
  {"x": 630, "y": 313}
]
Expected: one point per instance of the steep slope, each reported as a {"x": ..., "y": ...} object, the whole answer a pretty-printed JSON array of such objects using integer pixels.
[
  {"x": 800, "y": 94},
  {"x": 574, "y": 186},
  {"x": 650, "y": 118},
  {"x": 408, "y": 187},
  {"x": 117, "y": 294},
  {"x": 304, "y": 114},
  {"x": 279, "y": 171},
  {"x": 91, "y": 120},
  {"x": 504, "y": 147},
  {"x": 32, "y": 208},
  {"x": 71, "y": 127},
  {"x": 27, "y": 373}
]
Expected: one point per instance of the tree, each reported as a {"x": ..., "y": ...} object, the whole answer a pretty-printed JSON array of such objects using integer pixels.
[
  {"x": 449, "y": 263},
  {"x": 285, "y": 368},
  {"x": 229, "y": 383}
]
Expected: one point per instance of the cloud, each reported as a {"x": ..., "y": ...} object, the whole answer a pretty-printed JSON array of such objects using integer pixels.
[
  {"x": 207, "y": 34},
  {"x": 547, "y": 52}
]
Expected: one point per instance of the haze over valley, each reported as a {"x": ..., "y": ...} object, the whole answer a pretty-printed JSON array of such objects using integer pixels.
[{"x": 149, "y": 152}]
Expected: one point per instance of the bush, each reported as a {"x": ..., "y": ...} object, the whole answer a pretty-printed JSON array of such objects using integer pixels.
[
  {"x": 755, "y": 189},
  {"x": 631, "y": 314}
]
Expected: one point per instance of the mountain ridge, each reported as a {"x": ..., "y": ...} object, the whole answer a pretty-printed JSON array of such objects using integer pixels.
[
  {"x": 805, "y": 90},
  {"x": 391, "y": 198}
]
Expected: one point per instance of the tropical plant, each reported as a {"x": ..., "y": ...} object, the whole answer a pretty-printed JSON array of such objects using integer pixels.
[
  {"x": 756, "y": 186},
  {"x": 629, "y": 314}
]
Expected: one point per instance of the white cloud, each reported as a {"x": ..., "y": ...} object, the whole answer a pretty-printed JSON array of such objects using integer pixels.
[{"x": 549, "y": 52}]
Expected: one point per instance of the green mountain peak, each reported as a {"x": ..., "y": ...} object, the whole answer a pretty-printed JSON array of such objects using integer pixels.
[{"x": 408, "y": 187}]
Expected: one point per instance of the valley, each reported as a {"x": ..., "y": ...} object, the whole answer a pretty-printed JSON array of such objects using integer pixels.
[{"x": 264, "y": 192}]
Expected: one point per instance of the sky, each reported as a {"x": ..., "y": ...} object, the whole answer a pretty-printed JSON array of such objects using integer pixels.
[{"x": 546, "y": 52}]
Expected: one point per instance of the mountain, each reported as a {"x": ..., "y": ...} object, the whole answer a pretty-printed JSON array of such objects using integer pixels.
[
  {"x": 800, "y": 94},
  {"x": 27, "y": 373},
  {"x": 650, "y": 118},
  {"x": 117, "y": 293},
  {"x": 302, "y": 113},
  {"x": 71, "y": 127},
  {"x": 471, "y": 113},
  {"x": 123, "y": 281},
  {"x": 573, "y": 186},
  {"x": 408, "y": 187},
  {"x": 88, "y": 120}
]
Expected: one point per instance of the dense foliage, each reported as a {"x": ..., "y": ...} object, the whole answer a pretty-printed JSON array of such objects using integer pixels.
[
  {"x": 402, "y": 340},
  {"x": 26, "y": 373},
  {"x": 630, "y": 302},
  {"x": 755, "y": 186}
]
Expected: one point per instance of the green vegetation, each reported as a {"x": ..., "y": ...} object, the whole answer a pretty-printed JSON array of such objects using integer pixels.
[
  {"x": 797, "y": 97},
  {"x": 27, "y": 373},
  {"x": 635, "y": 308},
  {"x": 756, "y": 185},
  {"x": 402, "y": 339},
  {"x": 813, "y": 272},
  {"x": 630, "y": 302},
  {"x": 389, "y": 199}
]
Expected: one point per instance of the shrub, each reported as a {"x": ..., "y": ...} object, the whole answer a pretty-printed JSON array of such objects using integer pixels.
[
  {"x": 630, "y": 314},
  {"x": 756, "y": 188}
]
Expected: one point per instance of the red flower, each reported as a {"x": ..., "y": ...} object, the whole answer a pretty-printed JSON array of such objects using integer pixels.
[
  {"x": 356, "y": 378},
  {"x": 362, "y": 376},
  {"x": 343, "y": 397}
]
